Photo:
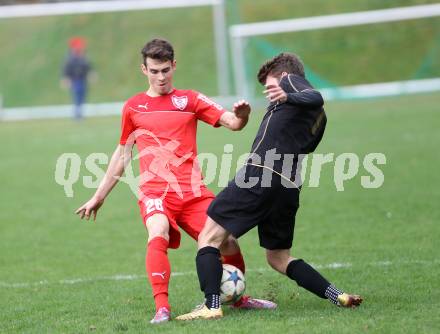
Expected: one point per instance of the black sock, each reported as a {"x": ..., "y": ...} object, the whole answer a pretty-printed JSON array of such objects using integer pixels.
[
  {"x": 212, "y": 301},
  {"x": 210, "y": 270},
  {"x": 307, "y": 277}
]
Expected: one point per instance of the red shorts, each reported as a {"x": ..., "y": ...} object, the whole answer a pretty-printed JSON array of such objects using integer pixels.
[{"x": 188, "y": 213}]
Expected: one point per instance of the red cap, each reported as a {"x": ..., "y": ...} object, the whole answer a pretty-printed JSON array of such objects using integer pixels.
[{"x": 77, "y": 43}]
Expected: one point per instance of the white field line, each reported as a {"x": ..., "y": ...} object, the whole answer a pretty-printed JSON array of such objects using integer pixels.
[{"x": 136, "y": 277}]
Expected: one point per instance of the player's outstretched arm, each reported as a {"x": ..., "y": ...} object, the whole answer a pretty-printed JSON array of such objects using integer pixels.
[
  {"x": 115, "y": 169},
  {"x": 238, "y": 118},
  {"x": 306, "y": 98}
]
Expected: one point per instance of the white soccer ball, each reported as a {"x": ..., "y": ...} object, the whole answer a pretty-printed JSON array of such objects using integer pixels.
[{"x": 233, "y": 284}]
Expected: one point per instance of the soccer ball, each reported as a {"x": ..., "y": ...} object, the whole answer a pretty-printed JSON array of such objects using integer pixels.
[{"x": 233, "y": 284}]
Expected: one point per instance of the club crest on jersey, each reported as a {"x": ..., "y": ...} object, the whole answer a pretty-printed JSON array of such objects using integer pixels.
[{"x": 180, "y": 102}]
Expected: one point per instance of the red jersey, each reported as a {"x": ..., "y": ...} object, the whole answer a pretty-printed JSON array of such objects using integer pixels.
[{"x": 164, "y": 129}]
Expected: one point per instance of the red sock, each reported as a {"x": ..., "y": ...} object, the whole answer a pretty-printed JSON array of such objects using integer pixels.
[
  {"x": 235, "y": 260},
  {"x": 158, "y": 270}
]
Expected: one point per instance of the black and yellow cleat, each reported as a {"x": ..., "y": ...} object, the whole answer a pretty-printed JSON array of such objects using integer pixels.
[
  {"x": 202, "y": 313},
  {"x": 351, "y": 301}
]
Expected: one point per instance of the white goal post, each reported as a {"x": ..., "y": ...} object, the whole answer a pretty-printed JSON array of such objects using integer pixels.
[
  {"x": 239, "y": 33},
  {"x": 87, "y": 7}
]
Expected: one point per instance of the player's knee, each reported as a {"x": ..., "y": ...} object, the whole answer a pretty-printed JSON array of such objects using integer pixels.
[
  {"x": 158, "y": 227},
  {"x": 212, "y": 235},
  {"x": 210, "y": 239},
  {"x": 158, "y": 232}
]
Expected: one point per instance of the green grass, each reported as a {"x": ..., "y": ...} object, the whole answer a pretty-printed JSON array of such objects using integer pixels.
[
  {"x": 42, "y": 240},
  {"x": 33, "y": 49}
]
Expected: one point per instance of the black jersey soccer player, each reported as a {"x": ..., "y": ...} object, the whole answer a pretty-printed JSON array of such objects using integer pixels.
[{"x": 265, "y": 192}]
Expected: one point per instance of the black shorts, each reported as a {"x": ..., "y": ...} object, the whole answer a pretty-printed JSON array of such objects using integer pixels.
[{"x": 272, "y": 208}]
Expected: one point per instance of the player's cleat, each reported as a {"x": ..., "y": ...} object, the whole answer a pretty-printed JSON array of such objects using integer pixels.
[
  {"x": 346, "y": 300},
  {"x": 199, "y": 307},
  {"x": 162, "y": 315},
  {"x": 249, "y": 303},
  {"x": 202, "y": 313}
]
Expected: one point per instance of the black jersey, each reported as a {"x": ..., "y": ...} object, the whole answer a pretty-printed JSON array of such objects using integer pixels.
[{"x": 289, "y": 129}]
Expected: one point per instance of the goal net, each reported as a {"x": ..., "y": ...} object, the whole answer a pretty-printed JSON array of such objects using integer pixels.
[{"x": 361, "y": 54}]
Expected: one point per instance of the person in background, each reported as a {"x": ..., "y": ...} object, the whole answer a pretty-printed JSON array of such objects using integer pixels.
[{"x": 76, "y": 70}]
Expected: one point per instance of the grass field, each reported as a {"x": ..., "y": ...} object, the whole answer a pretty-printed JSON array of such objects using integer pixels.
[{"x": 62, "y": 275}]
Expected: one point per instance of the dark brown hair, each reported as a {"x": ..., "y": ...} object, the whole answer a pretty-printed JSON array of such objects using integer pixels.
[
  {"x": 158, "y": 49},
  {"x": 284, "y": 62}
]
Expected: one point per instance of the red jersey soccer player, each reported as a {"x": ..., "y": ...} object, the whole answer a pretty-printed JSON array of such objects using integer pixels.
[{"x": 162, "y": 122}]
